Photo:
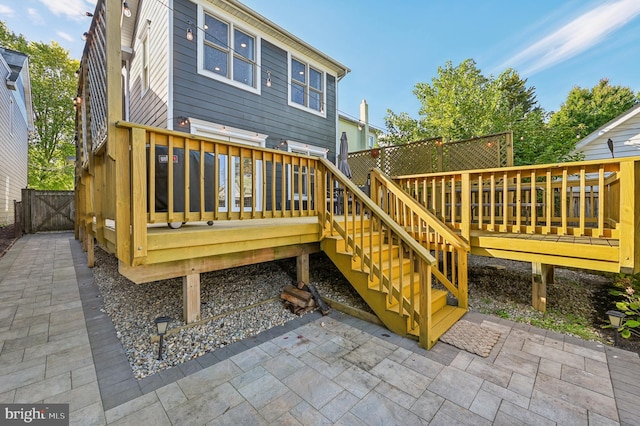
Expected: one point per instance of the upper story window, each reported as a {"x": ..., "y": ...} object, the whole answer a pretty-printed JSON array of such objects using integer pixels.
[
  {"x": 227, "y": 53},
  {"x": 307, "y": 86}
]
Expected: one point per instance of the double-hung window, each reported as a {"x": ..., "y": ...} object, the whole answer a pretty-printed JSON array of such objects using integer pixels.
[
  {"x": 307, "y": 86},
  {"x": 228, "y": 53}
]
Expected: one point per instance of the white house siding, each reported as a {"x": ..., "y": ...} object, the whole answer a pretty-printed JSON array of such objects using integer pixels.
[
  {"x": 151, "y": 108},
  {"x": 625, "y": 137},
  {"x": 14, "y": 147}
]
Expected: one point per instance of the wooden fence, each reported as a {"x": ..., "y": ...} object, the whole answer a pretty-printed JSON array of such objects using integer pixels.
[{"x": 44, "y": 211}]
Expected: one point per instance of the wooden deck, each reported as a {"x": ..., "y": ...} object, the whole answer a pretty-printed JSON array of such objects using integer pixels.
[
  {"x": 393, "y": 244},
  {"x": 600, "y": 254},
  {"x": 197, "y": 247}
]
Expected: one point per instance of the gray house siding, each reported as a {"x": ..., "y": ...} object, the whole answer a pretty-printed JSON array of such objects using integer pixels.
[
  {"x": 14, "y": 137},
  {"x": 204, "y": 98},
  {"x": 151, "y": 107}
]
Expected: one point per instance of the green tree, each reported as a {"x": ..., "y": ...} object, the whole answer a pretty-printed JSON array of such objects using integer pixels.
[
  {"x": 587, "y": 109},
  {"x": 401, "y": 128},
  {"x": 535, "y": 142},
  {"x": 461, "y": 102},
  {"x": 53, "y": 86}
]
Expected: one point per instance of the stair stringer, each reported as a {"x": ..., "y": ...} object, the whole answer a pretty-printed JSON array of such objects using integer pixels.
[{"x": 360, "y": 281}]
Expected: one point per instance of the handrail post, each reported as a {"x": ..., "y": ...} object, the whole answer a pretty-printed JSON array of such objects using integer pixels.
[
  {"x": 465, "y": 218},
  {"x": 629, "y": 216},
  {"x": 425, "y": 305},
  {"x": 139, "y": 193},
  {"x": 123, "y": 199}
]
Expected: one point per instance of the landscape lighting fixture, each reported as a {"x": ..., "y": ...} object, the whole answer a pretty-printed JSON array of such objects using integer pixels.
[
  {"x": 126, "y": 10},
  {"x": 162, "y": 323},
  {"x": 615, "y": 318}
]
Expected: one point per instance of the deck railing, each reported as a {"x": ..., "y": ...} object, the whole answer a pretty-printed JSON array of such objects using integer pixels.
[
  {"x": 449, "y": 250},
  {"x": 590, "y": 198}
]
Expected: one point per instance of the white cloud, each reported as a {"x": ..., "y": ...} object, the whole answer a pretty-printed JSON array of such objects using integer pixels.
[
  {"x": 575, "y": 37},
  {"x": 70, "y": 8},
  {"x": 34, "y": 16},
  {"x": 64, "y": 36},
  {"x": 6, "y": 11}
]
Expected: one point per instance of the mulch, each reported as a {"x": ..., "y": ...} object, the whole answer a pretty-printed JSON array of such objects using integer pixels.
[{"x": 7, "y": 238}]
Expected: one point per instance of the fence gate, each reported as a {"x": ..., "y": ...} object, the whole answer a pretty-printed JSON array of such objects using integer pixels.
[{"x": 47, "y": 210}]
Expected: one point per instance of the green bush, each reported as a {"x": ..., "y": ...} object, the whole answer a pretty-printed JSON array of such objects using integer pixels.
[{"x": 630, "y": 306}]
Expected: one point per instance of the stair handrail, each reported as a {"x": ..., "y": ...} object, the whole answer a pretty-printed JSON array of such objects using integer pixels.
[
  {"x": 375, "y": 209},
  {"x": 421, "y": 262},
  {"x": 457, "y": 283},
  {"x": 451, "y": 237}
]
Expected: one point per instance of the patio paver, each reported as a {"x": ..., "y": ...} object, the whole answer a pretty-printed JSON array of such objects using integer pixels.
[{"x": 57, "y": 346}]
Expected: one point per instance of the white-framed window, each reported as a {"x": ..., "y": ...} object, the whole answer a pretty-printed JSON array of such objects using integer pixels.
[
  {"x": 306, "y": 86},
  {"x": 294, "y": 175},
  {"x": 227, "y": 52},
  {"x": 229, "y": 192},
  {"x": 145, "y": 72}
]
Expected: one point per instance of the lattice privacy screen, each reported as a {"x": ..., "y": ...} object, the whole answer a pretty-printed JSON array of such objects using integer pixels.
[
  {"x": 97, "y": 79},
  {"x": 432, "y": 156}
]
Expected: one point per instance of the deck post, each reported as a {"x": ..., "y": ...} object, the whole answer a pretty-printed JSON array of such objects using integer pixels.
[
  {"x": 191, "y": 298},
  {"x": 91, "y": 258},
  {"x": 542, "y": 274},
  {"x": 302, "y": 268},
  {"x": 629, "y": 217}
]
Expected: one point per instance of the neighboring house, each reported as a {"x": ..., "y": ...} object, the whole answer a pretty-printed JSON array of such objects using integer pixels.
[
  {"x": 360, "y": 134},
  {"x": 216, "y": 68},
  {"x": 624, "y": 132},
  {"x": 16, "y": 121}
]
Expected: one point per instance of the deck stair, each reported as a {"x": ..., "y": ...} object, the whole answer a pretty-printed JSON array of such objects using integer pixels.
[
  {"x": 397, "y": 319},
  {"x": 407, "y": 265}
]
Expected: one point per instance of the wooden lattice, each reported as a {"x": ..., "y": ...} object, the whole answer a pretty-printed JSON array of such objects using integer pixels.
[
  {"x": 97, "y": 78},
  {"x": 432, "y": 156}
]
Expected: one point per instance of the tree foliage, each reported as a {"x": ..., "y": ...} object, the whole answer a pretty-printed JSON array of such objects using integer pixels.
[
  {"x": 461, "y": 102},
  {"x": 401, "y": 128},
  {"x": 53, "y": 86},
  {"x": 587, "y": 109}
]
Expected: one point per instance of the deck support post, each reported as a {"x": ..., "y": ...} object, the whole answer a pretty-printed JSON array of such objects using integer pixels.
[
  {"x": 91, "y": 258},
  {"x": 191, "y": 298},
  {"x": 302, "y": 268},
  {"x": 542, "y": 274}
]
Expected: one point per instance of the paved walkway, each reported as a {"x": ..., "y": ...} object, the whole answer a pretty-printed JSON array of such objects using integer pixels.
[{"x": 57, "y": 346}]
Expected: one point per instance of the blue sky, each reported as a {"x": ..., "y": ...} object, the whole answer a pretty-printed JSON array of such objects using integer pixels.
[{"x": 392, "y": 45}]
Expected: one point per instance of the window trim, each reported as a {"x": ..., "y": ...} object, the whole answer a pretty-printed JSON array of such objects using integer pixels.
[
  {"x": 145, "y": 78},
  {"x": 227, "y": 133},
  {"x": 233, "y": 25},
  {"x": 304, "y": 149},
  {"x": 308, "y": 64}
]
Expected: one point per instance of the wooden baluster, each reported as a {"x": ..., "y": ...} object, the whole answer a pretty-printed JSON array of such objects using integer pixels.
[
  {"x": 601, "y": 195},
  {"x": 583, "y": 201}
]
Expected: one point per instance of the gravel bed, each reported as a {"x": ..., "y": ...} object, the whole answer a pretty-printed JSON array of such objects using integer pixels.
[
  {"x": 226, "y": 299},
  {"x": 496, "y": 287}
]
